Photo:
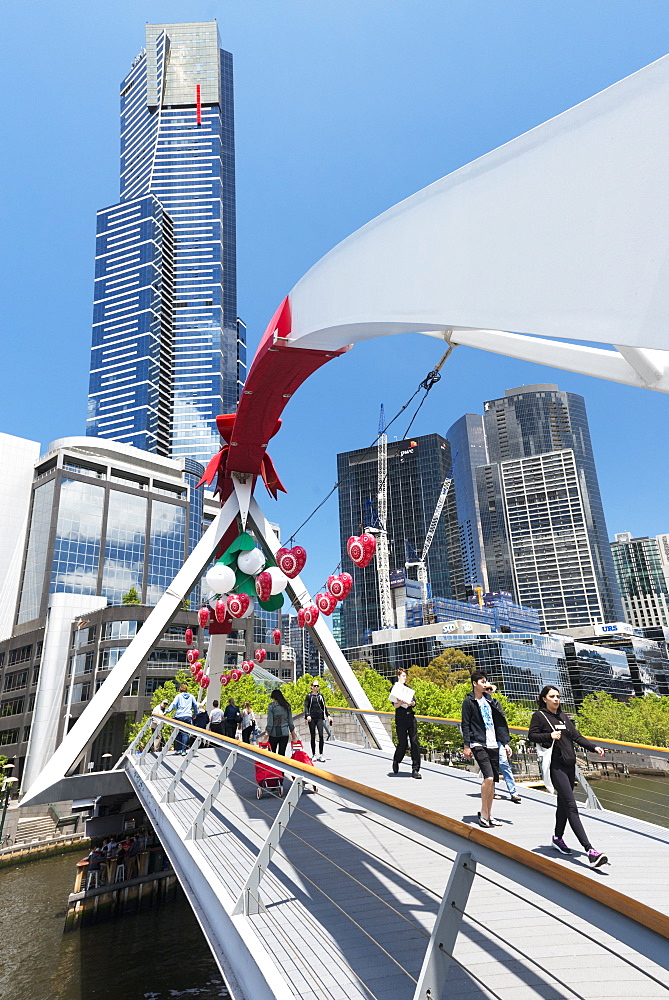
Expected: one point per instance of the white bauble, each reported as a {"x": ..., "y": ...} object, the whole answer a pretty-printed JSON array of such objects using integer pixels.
[
  {"x": 220, "y": 579},
  {"x": 249, "y": 611},
  {"x": 279, "y": 579},
  {"x": 251, "y": 562}
]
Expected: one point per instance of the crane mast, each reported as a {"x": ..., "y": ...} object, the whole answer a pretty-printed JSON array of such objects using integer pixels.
[
  {"x": 420, "y": 564},
  {"x": 380, "y": 529}
]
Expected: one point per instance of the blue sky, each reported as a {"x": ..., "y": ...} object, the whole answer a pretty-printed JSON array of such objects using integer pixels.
[{"x": 341, "y": 111}]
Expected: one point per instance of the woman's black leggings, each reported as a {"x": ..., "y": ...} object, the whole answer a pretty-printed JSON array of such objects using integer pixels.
[
  {"x": 279, "y": 744},
  {"x": 313, "y": 725},
  {"x": 563, "y": 777}
]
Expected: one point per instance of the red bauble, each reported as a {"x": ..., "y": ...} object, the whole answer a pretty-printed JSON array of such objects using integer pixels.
[
  {"x": 247, "y": 666},
  {"x": 361, "y": 549},
  {"x": 225, "y": 680},
  {"x": 235, "y": 675},
  {"x": 340, "y": 586},
  {"x": 300, "y": 617},
  {"x": 203, "y": 617},
  {"x": 291, "y": 561},
  {"x": 192, "y": 655},
  {"x": 310, "y": 615},
  {"x": 238, "y": 605},
  {"x": 264, "y": 585},
  {"x": 276, "y": 636},
  {"x": 205, "y": 682},
  {"x": 189, "y": 636},
  {"x": 325, "y": 603},
  {"x": 260, "y": 655}
]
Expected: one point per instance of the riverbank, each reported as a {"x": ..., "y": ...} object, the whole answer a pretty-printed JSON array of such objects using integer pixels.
[{"x": 24, "y": 853}]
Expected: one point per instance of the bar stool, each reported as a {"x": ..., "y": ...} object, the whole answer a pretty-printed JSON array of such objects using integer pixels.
[
  {"x": 120, "y": 873},
  {"x": 92, "y": 876}
]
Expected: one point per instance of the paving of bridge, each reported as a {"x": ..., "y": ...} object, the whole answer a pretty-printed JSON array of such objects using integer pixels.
[{"x": 351, "y": 898}]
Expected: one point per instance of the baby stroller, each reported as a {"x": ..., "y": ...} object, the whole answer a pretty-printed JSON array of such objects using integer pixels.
[
  {"x": 300, "y": 755},
  {"x": 268, "y": 777}
]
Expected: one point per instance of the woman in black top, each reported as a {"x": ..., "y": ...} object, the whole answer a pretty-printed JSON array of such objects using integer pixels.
[
  {"x": 316, "y": 713},
  {"x": 231, "y": 718},
  {"x": 549, "y": 726}
]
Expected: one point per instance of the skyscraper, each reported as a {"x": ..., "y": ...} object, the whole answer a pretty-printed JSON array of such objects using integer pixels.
[
  {"x": 468, "y": 448},
  {"x": 542, "y": 520},
  {"x": 641, "y": 576},
  {"x": 416, "y": 471},
  {"x": 168, "y": 353}
]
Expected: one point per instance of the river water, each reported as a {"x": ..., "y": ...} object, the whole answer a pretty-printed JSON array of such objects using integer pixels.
[{"x": 160, "y": 954}]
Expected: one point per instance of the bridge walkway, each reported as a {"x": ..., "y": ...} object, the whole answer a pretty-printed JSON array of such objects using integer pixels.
[{"x": 351, "y": 896}]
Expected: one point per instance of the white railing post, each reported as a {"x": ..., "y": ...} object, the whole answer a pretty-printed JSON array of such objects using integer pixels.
[
  {"x": 163, "y": 753},
  {"x": 126, "y": 753},
  {"x": 197, "y": 829},
  {"x": 248, "y": 902},
  {"x": 176, "y": 777},
  {"x": 592, "y": 800},
  {"x": 437, "y": 959}
]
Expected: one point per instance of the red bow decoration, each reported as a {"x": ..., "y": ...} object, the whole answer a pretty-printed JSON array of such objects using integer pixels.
[{"x": 217, "y": 467}]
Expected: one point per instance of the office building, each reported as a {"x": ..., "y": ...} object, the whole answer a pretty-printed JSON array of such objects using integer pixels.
[
  {"x": 542, "y": 521},
  {"x": 417, "y": 468},
  {"x": 641, "y": 569},
  {"x": 469, "y": 451},
  {"x": 168, "y": 353},
  {"x": 497, "y": 611}
]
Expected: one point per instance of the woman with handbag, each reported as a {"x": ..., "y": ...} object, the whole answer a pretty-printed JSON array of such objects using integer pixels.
[
  {"x": 248, "y": 722},
  {"x": 555, "y": 735}
]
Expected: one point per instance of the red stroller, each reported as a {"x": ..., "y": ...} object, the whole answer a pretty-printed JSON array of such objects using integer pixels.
[
  {"x": 268, "y": 777},
  {"x": 300, "y": 755}
]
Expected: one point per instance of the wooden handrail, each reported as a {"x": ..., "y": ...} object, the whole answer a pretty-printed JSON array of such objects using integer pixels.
[
  {"x": 642, "y": 914},
  {"x": 516, "y": 730}
]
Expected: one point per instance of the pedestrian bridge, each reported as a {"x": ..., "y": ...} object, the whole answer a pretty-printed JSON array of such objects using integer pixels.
[{"x": 357, "y": 883}]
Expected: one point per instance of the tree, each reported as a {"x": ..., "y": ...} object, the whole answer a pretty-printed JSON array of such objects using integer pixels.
[
  {"x": 450, "y": 668},
  {"x": 641, "y": 720},
  {"x": 131, "y": 597}
]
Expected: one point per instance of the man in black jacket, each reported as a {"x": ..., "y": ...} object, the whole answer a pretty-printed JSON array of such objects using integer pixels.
[{"x": 485, "y": 732}]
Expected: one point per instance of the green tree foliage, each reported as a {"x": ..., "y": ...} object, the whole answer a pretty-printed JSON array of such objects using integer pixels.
[
  {"x": 131, "y": 597},
  {"x": 450, "y": 668},
  {"x": 641, "y": 720}
]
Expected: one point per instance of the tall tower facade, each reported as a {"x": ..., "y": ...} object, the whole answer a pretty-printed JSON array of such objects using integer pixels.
[
  {"x": 469, "y": 450},
  {"x": 416, "y": 471},
  {"x": 642, "y": 578},
  {"x": 542, "y": 519},
  {"x": 168, "y": 353}
]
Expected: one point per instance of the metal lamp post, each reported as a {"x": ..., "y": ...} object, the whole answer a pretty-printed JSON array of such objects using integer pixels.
[{"x": 5, "y": 792}]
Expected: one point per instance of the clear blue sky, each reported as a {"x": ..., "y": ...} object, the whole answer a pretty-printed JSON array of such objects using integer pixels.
[{"x": 341, "y": 111}]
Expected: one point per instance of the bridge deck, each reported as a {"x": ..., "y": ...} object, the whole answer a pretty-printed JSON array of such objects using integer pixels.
[{"x": 351, "y": 898}]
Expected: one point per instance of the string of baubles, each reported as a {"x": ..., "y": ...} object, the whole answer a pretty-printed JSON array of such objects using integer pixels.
[{"x": 243, "y": 574}]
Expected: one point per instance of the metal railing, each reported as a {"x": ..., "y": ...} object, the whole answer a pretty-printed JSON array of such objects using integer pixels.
[{"x": 477, "y": 858}]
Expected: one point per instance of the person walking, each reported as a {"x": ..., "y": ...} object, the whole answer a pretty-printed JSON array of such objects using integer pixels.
[
  {"x": 216, "y": 719},
  {"x": 248, "y": 721},
  {"x": 316, "y": 714},
  {"x": 231, "y": 718},
  {"x": 402, "y": 698},
  {"x": 184, "y": 707},
  {"x": 551, "y": 728},
  {"x": 505, "y": 763},
  {"x": 279, "y": 722},
  {"x": 485, "y": 733}
]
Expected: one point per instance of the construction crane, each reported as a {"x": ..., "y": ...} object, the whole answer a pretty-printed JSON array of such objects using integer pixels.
[
  {"x": 420, "y": 564},
  {"x": 379, "y": 527}
]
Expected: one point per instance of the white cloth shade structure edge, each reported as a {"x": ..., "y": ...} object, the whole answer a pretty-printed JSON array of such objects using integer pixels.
[{"x": 560, "y": 233}]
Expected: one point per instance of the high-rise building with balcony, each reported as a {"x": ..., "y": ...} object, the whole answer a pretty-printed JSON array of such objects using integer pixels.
[
  {"x": 640, "y": 569},
  {"x": 168, "y": 352},
  {"x": 542, "y": 520}
]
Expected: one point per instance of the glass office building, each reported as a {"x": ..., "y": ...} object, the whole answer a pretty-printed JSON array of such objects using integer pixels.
[
  {"x": 468, "y": 448},
  {"x": 168, "y": 353},
  {"x": 542, "y": 520},
  {"x": 105, "y": 519},
  {"x": 642, "y": 579},
  {"x": 417, "y": 468}
]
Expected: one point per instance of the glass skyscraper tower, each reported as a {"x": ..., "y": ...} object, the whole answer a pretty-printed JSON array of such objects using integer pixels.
[{"x": 168, "y": 353}]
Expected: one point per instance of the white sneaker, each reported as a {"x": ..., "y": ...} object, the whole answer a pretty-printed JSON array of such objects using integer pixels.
[{"x": 321, "y": 758}]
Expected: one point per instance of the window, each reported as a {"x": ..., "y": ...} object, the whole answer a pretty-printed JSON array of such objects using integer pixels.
[
  {"x": 9, "y": 736},
  {"x": 175, "y": 633},
  {"x": 168, "y": 657},
  {"x": 110, "y": 657},
  {"x": 81, "y": 692},
  {"x": 35, "y": 674},
  {"x": 119, "y": 630},
  {"x": 133, "y": 690},
  {"x": 26, "y": 734},
  {"x": 20, "y": 655},
  {"x": 152, "y": 684},
  {"x": 11, "y": 706},
  {"x": 83, "y": 636},
  {"x": 15, "y": 681}
]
